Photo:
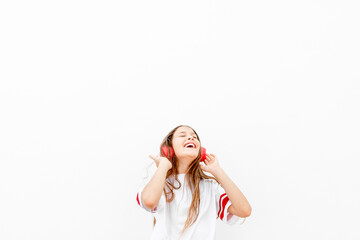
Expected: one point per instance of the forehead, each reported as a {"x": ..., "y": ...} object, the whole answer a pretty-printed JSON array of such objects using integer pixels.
[{"x": 184, "y": 129}]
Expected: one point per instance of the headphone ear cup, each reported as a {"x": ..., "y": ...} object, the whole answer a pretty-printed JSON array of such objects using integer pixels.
[
  {"x": 166, "y": 152},
  {"x": 203, "y": 154}
]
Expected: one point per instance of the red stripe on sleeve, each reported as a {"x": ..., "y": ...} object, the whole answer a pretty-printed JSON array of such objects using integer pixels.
[
  {"x": 137, "y": 198},
  {"x": 226, "y": 199},
  {"x": 220, "y": 205}
]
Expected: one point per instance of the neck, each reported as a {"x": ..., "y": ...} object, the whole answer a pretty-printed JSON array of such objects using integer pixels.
[
  {"x": 182, "y": 169},
  {"x": 184, "y": 165}
]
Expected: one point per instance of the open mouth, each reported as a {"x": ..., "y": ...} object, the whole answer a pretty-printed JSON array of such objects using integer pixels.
[{"x": 190, "y": 145}]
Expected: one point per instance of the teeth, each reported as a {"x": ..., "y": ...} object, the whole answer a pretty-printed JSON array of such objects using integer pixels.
[{"x": 190, "y": 144}]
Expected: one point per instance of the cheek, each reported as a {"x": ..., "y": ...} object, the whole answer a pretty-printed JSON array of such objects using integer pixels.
[{"x": 176, "y": 145}]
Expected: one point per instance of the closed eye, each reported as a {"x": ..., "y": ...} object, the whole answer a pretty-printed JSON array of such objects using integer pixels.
[{"x": 184, "y": 136}]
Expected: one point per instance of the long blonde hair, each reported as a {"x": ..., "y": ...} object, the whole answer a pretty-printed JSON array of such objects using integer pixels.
[{"x": 193, "y": 176}]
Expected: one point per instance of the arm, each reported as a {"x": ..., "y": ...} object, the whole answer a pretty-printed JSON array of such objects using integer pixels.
[
  {"x": 240, "y": 206},
  {"x": 151, "y": 193}
]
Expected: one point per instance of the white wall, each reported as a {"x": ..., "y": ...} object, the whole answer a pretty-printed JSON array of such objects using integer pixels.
[{"x": 89, "y": 89}]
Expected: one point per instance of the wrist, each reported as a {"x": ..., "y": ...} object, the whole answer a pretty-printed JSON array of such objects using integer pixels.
[
  {"x": 217, "y": 171},
  {"x": 165, "y": 166}
]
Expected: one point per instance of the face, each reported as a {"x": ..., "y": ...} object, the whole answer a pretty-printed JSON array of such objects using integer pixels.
[{"x": 181, "y": 138}]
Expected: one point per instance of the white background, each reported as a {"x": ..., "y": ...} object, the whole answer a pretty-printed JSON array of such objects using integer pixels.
[{"x": 90, "y": 88}]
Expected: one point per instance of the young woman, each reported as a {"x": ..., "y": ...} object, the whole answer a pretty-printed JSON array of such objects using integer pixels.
[{"x": 184, "y": 201}]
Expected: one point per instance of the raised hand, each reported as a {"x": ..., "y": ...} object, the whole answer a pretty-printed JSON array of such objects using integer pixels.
[
  {"x": 161, "y": 160},
  {"x": 211, "y": 163}
]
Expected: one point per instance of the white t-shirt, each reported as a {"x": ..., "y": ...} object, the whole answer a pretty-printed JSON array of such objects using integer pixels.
[{"x": 171, "y": 217}]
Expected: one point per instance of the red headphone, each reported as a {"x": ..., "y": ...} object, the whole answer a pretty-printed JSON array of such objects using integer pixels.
[{"x": 165, "y": 150}]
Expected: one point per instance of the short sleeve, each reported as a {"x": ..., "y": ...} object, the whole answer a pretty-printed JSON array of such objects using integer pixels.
[
  {"x": 156, "y": 209},
  {"x": 222, "y": 205}
]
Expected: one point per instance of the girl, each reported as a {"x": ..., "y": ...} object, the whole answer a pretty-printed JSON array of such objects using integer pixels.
[{"x": 184, "y": 201}]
